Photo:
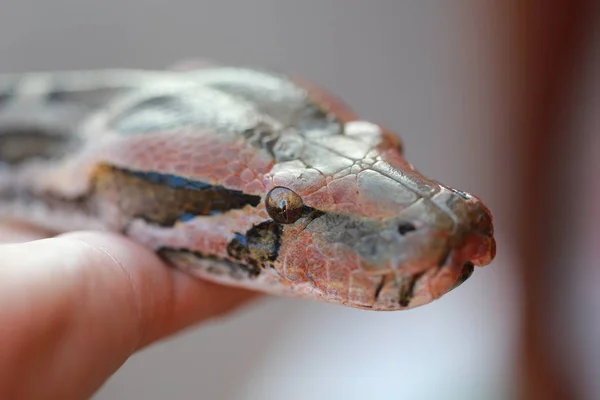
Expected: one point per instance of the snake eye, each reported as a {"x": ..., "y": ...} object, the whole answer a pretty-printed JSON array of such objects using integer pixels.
[{"x": 284, "y": 206}]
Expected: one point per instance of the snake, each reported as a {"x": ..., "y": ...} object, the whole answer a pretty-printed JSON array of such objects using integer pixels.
[{"x": 241, "y": 176}]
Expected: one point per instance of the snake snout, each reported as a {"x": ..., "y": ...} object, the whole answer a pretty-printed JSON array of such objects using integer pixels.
[
  {"x": 475, "y": 228},
  {"x": 480, "y": 242}
]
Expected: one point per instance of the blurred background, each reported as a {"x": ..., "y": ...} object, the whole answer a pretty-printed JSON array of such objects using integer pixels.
[{"x": 442, "y": 75}]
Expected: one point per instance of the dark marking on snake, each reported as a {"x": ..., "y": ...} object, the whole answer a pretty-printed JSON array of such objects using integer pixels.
[
  {"x": 165, "y": 199},
  {"x": 312, "y": 117},
  {"x": 212, "y": 264},
  {"x": 379, "y": 287},
  {"x": 173, "y": 181},
  {"x": 311, "y": 213},
  {"x": 262, "y": 136},
  {"x": 20, "y": 144},
  {"x": 57, "y": 96},
  {"x": 407, "y": 289},
  {"x": 465, "y": 274},
  {"x": 360, "y": 234},
  {"x": 51, "y": 202},
  {"x": 258, "y": 246},
  {"x": 63, "y": 93},
  {"x": 166, "y": 112}
]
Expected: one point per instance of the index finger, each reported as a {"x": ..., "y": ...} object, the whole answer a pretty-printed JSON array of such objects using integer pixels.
[{"x": 76, "y": 306}]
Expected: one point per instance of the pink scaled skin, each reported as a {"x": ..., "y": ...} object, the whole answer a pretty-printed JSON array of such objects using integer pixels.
[{"x": 186, "y": 168}]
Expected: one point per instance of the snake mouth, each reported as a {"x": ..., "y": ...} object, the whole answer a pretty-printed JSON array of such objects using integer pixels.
[{"x": 394, "y": 292}]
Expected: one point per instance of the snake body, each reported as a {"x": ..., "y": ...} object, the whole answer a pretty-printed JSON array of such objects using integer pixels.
[{"x": 241, "y": 176}]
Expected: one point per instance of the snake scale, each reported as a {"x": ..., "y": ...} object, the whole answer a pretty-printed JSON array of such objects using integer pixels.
[{"x": 241, "y": 176}]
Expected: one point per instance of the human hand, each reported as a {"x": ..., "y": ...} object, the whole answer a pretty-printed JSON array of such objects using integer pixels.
[{"x": 74, "y": 307}]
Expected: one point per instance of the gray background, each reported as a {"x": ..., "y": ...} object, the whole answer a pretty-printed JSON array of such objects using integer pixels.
[{"x": 425, "y": 69}]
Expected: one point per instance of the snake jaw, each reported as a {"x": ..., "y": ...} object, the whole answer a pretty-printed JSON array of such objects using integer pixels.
[{"x": 420, "y": 279}]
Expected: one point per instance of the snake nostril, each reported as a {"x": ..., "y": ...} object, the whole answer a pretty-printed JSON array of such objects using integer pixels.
[{"x": 406, "y": 227}]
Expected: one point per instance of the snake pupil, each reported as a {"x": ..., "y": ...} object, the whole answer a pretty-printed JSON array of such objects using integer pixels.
[{"x": 284, "y": 206}]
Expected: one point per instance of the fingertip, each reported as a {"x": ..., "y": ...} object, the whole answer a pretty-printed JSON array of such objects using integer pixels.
[
  {"x": 118, "y": 284},
  {"x": 168, "y": 299},
  {"x": 79, "y": 304}
]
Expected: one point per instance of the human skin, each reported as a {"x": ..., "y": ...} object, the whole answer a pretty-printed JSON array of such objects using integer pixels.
[{"x": 75, "y": 307}]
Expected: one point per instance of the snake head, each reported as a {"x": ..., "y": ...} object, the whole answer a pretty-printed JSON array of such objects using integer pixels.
[
  {"x": 252, "y": 179},
  {"x": 363, "y": 228}
]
